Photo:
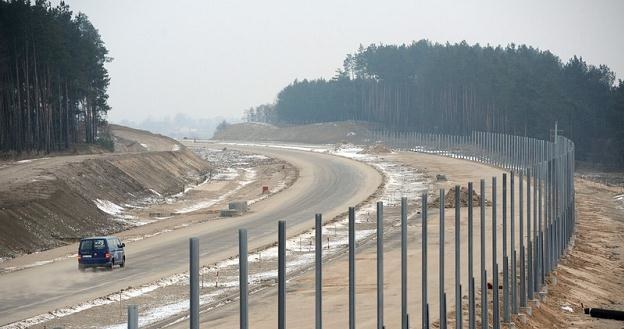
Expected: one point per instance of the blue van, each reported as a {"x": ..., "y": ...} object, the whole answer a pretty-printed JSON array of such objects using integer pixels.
[{"x": 104, "y": 251}]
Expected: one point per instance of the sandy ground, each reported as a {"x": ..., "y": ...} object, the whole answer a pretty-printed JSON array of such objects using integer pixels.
[
  {"x": 592, "y": 273},
  {"x": 49, "y": 202},
  {"x": 309, "y": 175},
  {"x": 300, "y": 296}
]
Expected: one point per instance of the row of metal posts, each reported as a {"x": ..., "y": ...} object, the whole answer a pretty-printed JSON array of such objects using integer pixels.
[{"x": 551, "y": 165}]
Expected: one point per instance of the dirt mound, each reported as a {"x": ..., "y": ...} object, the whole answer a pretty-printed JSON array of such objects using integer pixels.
[
  {"x": 318, "y": 133},
  {"x": 127, "y": 139},
  {"x": 376, "y": 149},
  {"x": 48, "y": 202},
  {"x": 449, "y": 199}
]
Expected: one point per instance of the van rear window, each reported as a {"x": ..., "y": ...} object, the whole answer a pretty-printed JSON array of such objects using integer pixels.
[{"x": 90, "y": 245}]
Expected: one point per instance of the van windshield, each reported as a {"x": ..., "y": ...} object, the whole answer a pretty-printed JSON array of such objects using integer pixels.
[{"x": 91, "y": 245}]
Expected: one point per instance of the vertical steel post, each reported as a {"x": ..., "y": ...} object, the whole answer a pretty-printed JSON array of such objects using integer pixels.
[
  {"x": 133, "y": 316},
  {"x": 424, "y": 260},
  {"x": 535, "y": 251},
  {"x": 471, "y": 290},
  {"x": 495, "y": 303},
  {"x": 243, "y": 276},
  {"x": 194, "y": 284},
  {"x": 523, "y": 293},
  {"x": 506, "y": 306},
  {"x": 351, "y": 268},
  {"x": 380, "y": 303},
  {"x": 281, "y": 275},
  {"x": 512, "y": 233},
  {"x": 458, "y": 296},
  {"x": 318, "y": 251},
  {"x": 441, "y": 261},
  {"x": 484, "y": 312},
  {"x": 404, "y": 263},
  {"x": 529, "y": 243}
]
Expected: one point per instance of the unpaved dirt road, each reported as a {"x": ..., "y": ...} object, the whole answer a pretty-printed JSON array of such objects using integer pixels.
[{"x": 326, "y": 184}]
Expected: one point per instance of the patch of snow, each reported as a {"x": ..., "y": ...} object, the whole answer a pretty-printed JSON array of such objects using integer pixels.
[
  {"x": 175, "y": 147},
  {"x": 567, "y": 308},
  {"x": 25, "y": 161},
  {"x": 248, "y": 178},
  {"x": 108, "y": 207},
  {"x": 400, "y": 181}
]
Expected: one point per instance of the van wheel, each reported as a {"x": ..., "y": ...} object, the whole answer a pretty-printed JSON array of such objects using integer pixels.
[
  {"x": 123, "y": 262},
  {"x": 81, "y": 267}
]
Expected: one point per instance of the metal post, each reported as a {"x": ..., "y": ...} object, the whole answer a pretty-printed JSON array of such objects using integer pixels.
[
  {"x": 424, "y": 299},
  {"x": 523, "y": 294},
  {"x": 529, "y": 243},
  {"x": 133, "y": 316},
  {"x": 441, "y": 257},
  {"x": 484, "y": 313},
  {"x": 506, "y": 306},
  {"x": 194, "y": 284},
  {"x": 495, "y": 305},
  {"x": 535, "y": 253},
  {"x": 380, "y": 265},
  {"x": 458, "y": 297},
  {"x": 404, "y": 324},
  {"x": 471, "y": 290},
  {"x": 318, "y": 252},
  {"x": 243, "y": 275},
  {"x": 351, "y": 268},
  {"x": 281, "y": 275},
  {"x": 512, "y": 233}
]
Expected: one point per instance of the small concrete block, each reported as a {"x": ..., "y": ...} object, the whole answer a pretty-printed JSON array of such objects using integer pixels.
[
  {"x": 523, "y": 318},
  {"x": 542, "y": 295},
  {"x": 526, "y": 310}
]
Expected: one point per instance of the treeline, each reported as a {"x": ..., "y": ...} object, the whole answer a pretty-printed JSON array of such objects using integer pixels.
[
  {"x": 52, "y": 77},
  {"x": 457, "y": 88}
]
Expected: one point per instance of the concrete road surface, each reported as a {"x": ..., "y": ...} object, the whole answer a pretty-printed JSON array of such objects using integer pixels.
[{"x": 327, "y": 184}]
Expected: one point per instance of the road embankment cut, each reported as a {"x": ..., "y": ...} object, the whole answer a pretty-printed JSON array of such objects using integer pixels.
[{"x": 48, "y": 202}]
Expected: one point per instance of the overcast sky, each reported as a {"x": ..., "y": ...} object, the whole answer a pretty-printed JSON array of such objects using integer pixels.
[{"x": 211, "y": 58}]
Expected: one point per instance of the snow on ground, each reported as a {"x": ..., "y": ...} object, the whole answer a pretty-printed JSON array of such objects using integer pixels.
[
  {"x": 400, "y": 181},
  {"x": 249, "y": 176},
  {"x": 108, "y": 207},
  {"x": 175, "y": 147},
  {"x": 620, "y": 200}
]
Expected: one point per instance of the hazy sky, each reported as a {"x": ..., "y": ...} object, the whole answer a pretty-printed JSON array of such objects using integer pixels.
[{"x": 209, "y": 58}]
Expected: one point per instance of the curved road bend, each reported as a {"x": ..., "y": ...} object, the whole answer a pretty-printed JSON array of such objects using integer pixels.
[{"x": 327, "y": 184}]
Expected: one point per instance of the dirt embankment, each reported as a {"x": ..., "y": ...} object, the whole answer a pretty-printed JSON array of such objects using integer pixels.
[
  {"x": 48, "y": 202},
  {"x": 318, "y": 133},
  {"x": 592, "y": 273}
]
